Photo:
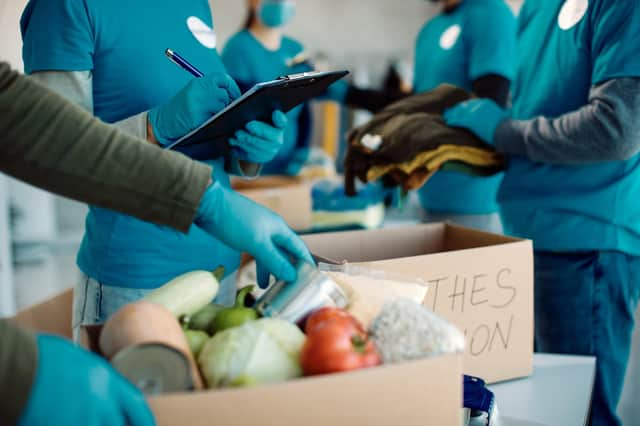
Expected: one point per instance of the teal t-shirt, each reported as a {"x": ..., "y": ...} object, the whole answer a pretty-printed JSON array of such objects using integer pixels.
[
  {"x": 474, "y": 40},
  {"x": 249, "y": 62},
  {"x": 122, "y": 43},
  {"x": 565, "y": 48}
]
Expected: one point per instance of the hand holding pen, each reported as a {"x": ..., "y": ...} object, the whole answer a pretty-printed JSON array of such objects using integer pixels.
[
  {"x": 257, "y": 142},
  {"x": 183, "y": 63}
]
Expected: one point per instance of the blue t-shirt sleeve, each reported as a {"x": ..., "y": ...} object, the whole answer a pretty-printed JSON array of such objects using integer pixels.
[
  {"x": 57, "y": 36},
  {"x": 615, "y": 46},
  {"x": 490, "y": 37}
]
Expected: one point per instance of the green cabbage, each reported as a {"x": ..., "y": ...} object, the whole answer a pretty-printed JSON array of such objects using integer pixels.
[{"x": 262, "y": 351}]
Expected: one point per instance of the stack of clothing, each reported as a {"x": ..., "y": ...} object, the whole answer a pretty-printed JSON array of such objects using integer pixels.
[{"x": 407, "y": 142}]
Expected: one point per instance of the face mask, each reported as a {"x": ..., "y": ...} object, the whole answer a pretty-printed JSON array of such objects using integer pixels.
[{"x": 277, "y": 13}]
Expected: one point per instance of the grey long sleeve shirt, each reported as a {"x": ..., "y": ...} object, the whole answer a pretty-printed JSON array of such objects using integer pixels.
[
  {"x": 606, "y": 129},
  {"x": 50, "y": 143}
]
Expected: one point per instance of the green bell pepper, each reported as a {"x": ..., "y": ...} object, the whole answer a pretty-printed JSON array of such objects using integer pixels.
[{"x": 236, "y": 315}]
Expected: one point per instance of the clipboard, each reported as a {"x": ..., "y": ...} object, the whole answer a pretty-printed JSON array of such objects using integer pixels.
[{"x": 210, "y": 140}]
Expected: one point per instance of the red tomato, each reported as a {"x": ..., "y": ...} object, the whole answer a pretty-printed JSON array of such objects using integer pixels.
[
  {"x": 324, "y": 316},
  {"x": 335, "y": 347}
]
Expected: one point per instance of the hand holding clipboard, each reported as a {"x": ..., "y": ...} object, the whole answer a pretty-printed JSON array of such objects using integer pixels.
[{"x": 258, "y": 104}]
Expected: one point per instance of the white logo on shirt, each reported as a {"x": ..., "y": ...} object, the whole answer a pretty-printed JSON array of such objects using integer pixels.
[
  {"x": 450, "y": 37},
  {"x": 571, "y": 13},
  {"x": 202, "y": 32}
]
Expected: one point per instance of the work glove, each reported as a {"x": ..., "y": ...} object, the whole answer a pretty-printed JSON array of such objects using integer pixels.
[
  {"x": 248, "y": 227},
  {"x": 194, "y": 104},
  {"x": 259, "y": 142},
  {"x": 75, "y": 387},
  {"x": 480, "y": 116}
]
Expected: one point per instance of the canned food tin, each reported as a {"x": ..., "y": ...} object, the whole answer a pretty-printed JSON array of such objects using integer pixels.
[
  {"x": 155, "y": 368},
  {"x": 294, "y": 301}
]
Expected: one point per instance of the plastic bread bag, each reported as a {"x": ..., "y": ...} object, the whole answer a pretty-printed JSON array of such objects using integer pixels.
[{"x": 368, "y": 290}]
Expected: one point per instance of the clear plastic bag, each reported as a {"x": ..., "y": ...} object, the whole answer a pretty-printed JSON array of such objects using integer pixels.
[{"x": 369, "y": 289}]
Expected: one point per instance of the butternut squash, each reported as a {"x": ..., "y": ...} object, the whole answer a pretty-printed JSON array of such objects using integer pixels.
[{"x": 145, "y": 322}]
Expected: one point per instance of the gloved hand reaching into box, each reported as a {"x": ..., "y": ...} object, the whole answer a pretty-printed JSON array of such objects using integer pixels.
[{"x": 248, "y": 227}]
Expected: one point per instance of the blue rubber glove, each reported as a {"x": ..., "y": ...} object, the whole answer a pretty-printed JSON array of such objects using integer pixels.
[
  {"x": 194, "y": 104},
  {"x": 298, "y": 161},
  {"x": 248, "y": 227},
  {"x": 481, "y": 116},
  {"x": 75, "y": 387},
  {"x": 259, "y": 142},
  {"x": 337, "y": 92}
]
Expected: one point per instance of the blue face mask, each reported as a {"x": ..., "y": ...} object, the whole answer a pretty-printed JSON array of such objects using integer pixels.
[{"x": 277, "y": 13}]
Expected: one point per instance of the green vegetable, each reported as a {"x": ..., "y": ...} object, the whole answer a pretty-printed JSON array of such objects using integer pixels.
[
  {"x": 262, "y": 351},
  {"x": 186, "y": 294},
  {"x": 236, "y": 315},
  {"x": 196, "y": 341},
  {"x": 203, "y": 319}
]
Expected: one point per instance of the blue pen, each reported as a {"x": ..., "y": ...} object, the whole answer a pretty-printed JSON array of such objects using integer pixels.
[{"x": 182, "y": 63}]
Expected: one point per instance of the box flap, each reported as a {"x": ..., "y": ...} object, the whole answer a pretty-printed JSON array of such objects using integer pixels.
[
  {"x": 409, "y": 394},
  {"x": 460, "y": 238},
  {"x": 379, "y": 244},
  {"x": 52, "y": 316}
]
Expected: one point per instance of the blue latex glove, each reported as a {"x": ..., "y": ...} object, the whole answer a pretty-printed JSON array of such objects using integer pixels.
[
  {"x": 481, "y": 116},
  {"x": 259, "y": 142},
  {"x": 248, "y": 227},
  {"x": 337, "y": 92},
  {"x": 75, "y": 387},
  {"x": 198, "y": 101},
  {"x": 298, "y": 161}
]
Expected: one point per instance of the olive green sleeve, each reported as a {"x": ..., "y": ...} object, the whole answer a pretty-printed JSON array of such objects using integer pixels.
[
  {"x": 55, "y": 145},
  {"x": 18, "y": 360}
]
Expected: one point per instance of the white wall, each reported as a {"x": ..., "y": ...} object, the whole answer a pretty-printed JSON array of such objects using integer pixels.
[{"x": 10, "y": 43}]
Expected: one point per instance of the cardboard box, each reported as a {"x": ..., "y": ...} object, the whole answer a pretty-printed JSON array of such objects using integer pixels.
[
  {"x": 289, "y": 197},
  {"x": 426, "y": 392},
  {"x": 483, "y": 283}
]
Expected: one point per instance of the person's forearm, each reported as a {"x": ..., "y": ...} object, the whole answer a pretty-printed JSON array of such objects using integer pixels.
[
  {"x": 18, "y": 360},
  {"x": 57, "y": 146},
  {"x": 606, "y": 129},
  {"x": 77, "y": 87}
]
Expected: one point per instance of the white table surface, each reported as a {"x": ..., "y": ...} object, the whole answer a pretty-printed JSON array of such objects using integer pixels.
[{"x": 558, "y": 393}]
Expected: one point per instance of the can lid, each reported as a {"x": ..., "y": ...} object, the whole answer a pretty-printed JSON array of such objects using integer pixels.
[{"x": 154, "y": 368}]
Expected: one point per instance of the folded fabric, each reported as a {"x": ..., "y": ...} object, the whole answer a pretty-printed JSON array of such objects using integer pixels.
[{"x": 407, "y": 142}]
